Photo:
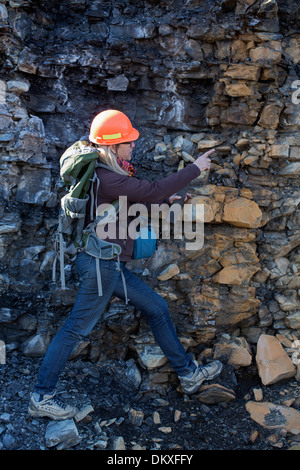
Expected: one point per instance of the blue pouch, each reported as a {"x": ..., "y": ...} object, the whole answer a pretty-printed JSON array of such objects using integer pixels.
[{"x": 145, "y": 243}]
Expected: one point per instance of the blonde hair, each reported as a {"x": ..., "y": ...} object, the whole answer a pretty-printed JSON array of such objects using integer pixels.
[{"x": 107, "y": 156}]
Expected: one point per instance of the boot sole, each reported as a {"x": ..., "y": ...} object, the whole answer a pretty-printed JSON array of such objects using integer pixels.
[{"x": 45, "y": 414}]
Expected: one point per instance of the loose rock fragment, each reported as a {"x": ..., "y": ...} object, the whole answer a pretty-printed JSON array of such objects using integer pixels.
[
  {"x": 83, "y": 412},
  {"x": 273, "y": 362},
  {"x": 215, "y": 393},
  {"x": 119, "y": 443},
  {"x": 63, "y": 434},
  {"x": 273, "y": 416}
]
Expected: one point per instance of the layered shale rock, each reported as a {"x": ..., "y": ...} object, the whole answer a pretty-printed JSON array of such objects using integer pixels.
[{"x": 192, "y": 77}]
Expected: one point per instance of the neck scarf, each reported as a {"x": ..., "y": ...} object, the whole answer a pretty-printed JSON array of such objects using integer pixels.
[{"x": 128, "y": 167}]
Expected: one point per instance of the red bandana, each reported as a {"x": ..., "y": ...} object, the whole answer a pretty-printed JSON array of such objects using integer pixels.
[{"x": 126, "y": 166}]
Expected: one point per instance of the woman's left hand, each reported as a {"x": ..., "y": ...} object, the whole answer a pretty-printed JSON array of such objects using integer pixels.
[{"x": 175, "y": 197}]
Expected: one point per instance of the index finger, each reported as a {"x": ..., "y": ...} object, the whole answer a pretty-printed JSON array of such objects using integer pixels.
[{"x": 209, "y": 152}]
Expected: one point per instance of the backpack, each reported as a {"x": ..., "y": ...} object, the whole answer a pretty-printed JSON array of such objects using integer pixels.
[{"x": 77, "y": 171}]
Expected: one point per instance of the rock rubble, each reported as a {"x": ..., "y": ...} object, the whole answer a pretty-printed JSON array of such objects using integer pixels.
[
  {"x": 116, "y": 411},
  {"x": 209, "y": 76}
]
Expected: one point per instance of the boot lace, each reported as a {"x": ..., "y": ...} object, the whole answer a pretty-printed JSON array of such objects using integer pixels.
[{"x": 57, "y": 401}]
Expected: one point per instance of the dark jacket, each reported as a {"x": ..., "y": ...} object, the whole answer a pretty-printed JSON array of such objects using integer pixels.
[{"x": 112, "y": 185}]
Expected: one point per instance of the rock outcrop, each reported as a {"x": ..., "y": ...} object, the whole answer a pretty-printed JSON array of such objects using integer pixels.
[{"x": 192, "y": 77}]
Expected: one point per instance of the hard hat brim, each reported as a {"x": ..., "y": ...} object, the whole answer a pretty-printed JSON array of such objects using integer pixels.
[{"x": 116, "y": 138}]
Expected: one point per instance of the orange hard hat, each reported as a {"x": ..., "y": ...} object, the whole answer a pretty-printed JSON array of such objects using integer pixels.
[{"x": 112, "y": 127}]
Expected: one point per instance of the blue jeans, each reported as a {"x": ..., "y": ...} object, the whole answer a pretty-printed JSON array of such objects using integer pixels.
[{"x": 88, "y": 309}]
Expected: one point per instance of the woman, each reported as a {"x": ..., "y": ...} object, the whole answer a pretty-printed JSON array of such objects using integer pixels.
[{"x": 113, "y": 135}]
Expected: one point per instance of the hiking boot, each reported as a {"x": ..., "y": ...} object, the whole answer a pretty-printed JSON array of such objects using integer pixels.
[
  {"x": 191, "y": 383},
  {"x": 50, "y": 406}
]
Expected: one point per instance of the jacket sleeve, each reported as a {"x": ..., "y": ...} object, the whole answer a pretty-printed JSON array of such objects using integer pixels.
[{"x": 113, "y": 185}]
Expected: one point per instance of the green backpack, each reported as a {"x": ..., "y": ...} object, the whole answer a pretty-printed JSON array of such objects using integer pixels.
[{"x": 77, "y": 171}]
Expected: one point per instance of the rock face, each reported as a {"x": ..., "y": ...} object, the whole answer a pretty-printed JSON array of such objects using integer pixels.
[
  {"x": 242, "y": 212},
  {"x": 191, "y": 78},
  {"x": 236, "y": 352}
]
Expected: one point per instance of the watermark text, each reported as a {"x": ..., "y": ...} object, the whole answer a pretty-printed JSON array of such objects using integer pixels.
[
  {"x": 181, "y": 223},
  {"x": 296, "y": 93},
  {"x": 2, "y": 352}
]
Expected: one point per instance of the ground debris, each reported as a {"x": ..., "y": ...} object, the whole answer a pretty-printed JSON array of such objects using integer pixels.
[{"x": 111, "y": 414}]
